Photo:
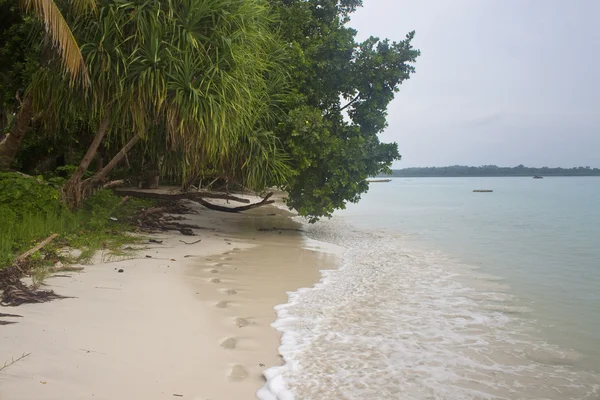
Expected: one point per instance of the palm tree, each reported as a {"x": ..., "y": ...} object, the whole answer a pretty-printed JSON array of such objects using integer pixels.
[
  {"x": 64, "y": 43},
  {"x": 193, "y": 79}
]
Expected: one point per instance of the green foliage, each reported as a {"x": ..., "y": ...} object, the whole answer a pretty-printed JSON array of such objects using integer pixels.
[
  {"x": 257, "y": 93},
  {"x": 333, "y": 144},
  {"x": 27, "y": 196},
  {"x": 30, "y": 211}
]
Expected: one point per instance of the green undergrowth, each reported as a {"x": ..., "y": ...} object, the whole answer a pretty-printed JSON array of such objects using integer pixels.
[{"x": 31, "y": 210}]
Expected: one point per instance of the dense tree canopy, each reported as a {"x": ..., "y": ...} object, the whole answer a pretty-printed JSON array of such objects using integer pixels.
[
  {"x": 340, "y": 93},
  {"x": 249, "y": 93}
]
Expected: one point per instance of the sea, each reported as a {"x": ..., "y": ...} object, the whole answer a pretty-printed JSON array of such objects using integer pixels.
[{"x": 446, "y": 293}]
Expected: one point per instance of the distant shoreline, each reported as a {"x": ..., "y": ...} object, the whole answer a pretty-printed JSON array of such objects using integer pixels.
[
  {"x": 485, "y": 176},
  {"x": 456, "y": 171}
]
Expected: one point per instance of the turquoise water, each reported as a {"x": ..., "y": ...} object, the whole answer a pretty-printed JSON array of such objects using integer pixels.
[
  {"x": 443, "y": 293},
  {"x": 541, "y": 235}
]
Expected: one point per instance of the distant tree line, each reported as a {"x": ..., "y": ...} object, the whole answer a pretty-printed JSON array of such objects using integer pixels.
[{"x": 492, "y": 170}]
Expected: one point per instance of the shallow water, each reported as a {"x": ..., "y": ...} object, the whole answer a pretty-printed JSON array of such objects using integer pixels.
[{"x": 448, "y": 294}]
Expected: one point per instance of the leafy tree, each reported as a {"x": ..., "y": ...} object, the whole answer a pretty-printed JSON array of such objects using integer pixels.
[{"x": 340, "y": 93}]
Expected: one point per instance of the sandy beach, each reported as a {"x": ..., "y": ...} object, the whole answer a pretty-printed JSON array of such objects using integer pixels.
[{"x": 189, "y": 321}]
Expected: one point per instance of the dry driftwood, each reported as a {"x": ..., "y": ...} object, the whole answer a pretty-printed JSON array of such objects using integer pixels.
[
  {"x": 113, "y": 184},
  {"x": 215, "y": 207},
  {"x": 180, "y": 196},
  {"x": 36, "y": 247},
  {"x": 197, "y": 241}
]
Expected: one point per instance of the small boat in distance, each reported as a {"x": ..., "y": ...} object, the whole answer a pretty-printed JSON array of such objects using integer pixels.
[
  {"x": 378, "y": 180},
  {"x": 538, "y": 177},
  {"x": 482, "y": 191}
]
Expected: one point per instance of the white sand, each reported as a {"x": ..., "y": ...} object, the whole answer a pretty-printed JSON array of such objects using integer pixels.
[{"x": 167, "y": 327}]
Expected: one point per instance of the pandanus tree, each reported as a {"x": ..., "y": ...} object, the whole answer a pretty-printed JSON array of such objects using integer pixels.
[
  {"x": 59, "y": 38},
  {"x": 189, "y": 79}
]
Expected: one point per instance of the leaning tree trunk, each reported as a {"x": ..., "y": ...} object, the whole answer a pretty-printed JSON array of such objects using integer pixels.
[
  {"x": 72, "y": 191},
  {"x": 11, "y": 143},
  {"x": 103, "y": 173}
]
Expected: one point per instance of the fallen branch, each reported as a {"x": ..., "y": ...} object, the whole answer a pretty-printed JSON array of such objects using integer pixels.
[
  {"x": 113, "y": 184},
  {"x": 13, "y": 361},
  {"x": 37, "y": 247},
  {"x": 215, "y": 207},
  {"x": 124, "y": 200},
  {"x": 180, "y": 196},
  {"x": 197, "y": 241}
]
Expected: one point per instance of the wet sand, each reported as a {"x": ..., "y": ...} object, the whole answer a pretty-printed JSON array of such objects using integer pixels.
[{"x": 180, "y": 321}]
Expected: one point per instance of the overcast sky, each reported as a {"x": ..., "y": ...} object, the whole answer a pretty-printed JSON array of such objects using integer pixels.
[{"x": 503, "y": 82}]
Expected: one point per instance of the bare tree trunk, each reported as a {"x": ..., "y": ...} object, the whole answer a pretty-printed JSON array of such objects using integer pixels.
[
  {"x": 103, "y": 173},
  {"x": 72, "y": 190},
  {"x": 11, "y": 143}
]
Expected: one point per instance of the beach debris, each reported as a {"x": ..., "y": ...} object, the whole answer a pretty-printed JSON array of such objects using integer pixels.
[
  {"x": 197, "y": 241},
  {"x": 120, "y": 270},
  {"x": 11, "y": 316},
  {"x": 148, "y": 256},
  {"x": 261, "y": 365},
  {"x": 155, "y": 241},
  {"x": 187, "y": 232},
  {"x": 36, "y": 247},
  {"x": 13, "y": 361},
  {"x": 113, "y": 219},
  {"x": 15, "y": 292},
  {"x": 177, "y": 395}
]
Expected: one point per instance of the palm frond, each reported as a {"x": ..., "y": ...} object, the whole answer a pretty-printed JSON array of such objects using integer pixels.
[{"x": 62, "y": 38}]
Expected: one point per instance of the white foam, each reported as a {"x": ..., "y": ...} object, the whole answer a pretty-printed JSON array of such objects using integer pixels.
[{"x": 398, "y": 321}]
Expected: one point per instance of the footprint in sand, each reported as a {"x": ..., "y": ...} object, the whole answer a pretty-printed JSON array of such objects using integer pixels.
[
  {"x": 236, "y": 249},
  {"x": 238, "y": 372},
  {"x": 231, "y": 291},
  {"x": 229, "y": 343},
  {"x": 241, "y": 322},
  {"x": 222, "y": 304},
  {"x": 226, "y": 258},
  {"x": 215, "y": 280},
  {"x": 213, "y": 271},
  {"x": 220, "y": 265}
]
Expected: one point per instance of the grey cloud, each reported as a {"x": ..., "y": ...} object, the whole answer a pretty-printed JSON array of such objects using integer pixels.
[{"x": 499, "y": 82}]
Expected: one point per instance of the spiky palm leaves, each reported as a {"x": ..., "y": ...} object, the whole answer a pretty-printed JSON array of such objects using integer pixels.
[
  {"x": 197, "y": 79},
  {"x": 61, "y": 35}
]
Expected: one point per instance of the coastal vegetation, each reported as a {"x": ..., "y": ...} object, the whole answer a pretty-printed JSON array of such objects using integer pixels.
[
  {"x": 491, "y": 170},
  {"x": 231, "y": 95}
]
